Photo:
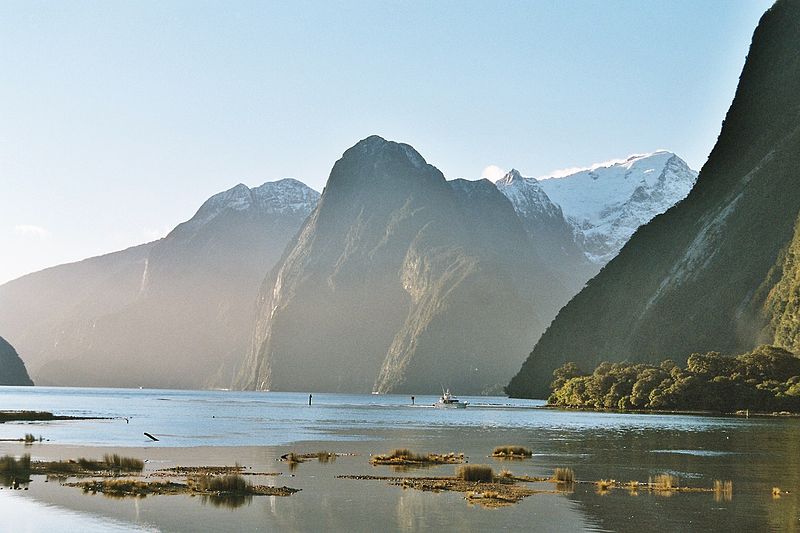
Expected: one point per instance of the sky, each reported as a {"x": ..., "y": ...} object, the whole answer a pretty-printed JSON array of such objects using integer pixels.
[{"x": 118, "y": 119}]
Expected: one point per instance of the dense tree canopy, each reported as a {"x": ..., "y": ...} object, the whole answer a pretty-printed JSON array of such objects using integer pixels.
[{"x": 766, "y": 379}]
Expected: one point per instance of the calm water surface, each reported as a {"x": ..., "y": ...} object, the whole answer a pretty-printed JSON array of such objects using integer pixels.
[{"x": 256, "y": 428}]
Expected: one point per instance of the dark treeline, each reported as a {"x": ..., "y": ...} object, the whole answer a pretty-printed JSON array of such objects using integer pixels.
[{"x": 765, "y": 380}]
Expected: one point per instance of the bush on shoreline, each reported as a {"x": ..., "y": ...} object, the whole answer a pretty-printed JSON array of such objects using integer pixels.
[{"x": 764, "y": 380}]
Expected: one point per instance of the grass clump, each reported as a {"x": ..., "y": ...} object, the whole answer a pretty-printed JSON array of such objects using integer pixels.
[
  {"x": 400, "y": 452},
  {"x": 230, "y": 484},
  {"x": 293, "y": 458},
  {"x": 663, "y": 482},
  {"x": 123, "y": 487},
  {"x": 506, "y": 474},
  {"x": 723, "y": 490},
  {"x": 564, "y": 475},
  {"x": 126, "y": 464},
  {"x": 479, "y": 473},
  {"x": 325, "y": 457},
  {"x": 511, "y": 452},
  {"x": 405, "y": 457},
  {"x": 604, "y": 485}
]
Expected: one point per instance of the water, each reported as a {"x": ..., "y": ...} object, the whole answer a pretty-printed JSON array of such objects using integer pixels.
[{"x": 217, "y": 427}]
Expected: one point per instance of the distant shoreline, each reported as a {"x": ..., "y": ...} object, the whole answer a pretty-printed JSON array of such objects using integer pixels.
[{"x": 738, "y": 414}]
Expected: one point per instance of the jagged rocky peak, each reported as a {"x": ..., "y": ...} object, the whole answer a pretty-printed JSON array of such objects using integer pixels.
[
  {"x": 527, "y": 196},
  {"x": 284, "y": 196},
  {"x": 511, "y": 176}
]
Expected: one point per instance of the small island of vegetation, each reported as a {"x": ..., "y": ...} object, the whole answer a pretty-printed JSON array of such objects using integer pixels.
[{"x": 765, "y": 380}]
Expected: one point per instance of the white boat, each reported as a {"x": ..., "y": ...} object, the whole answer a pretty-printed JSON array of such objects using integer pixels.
[{"x": 448, "y": 401}]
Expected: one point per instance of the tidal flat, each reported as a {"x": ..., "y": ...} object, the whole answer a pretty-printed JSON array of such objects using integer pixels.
[{"x": 213, "y": 432}]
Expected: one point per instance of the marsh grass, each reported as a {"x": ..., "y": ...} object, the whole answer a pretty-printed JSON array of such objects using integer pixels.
[
  {"x": 723, "y": 490},
  {"x": 405, "y": 453},
  {"x": 326, "y": 457},
  {"x": 120, "y": 486},
  {"x": 125, "y": 464},
  {"x": 663, "y": 482},
  {"x": 110, "y": 463},
  {"x": 405, "y": 457},
  {"x": 511, "y": 452},
  {"x": 604, "y": 485},
  {"x": 230, "y": 484},
  {"x": 506, "y": 474},
  {"x": 479, "y": 473},
  {"x": 564, "y": 475}
]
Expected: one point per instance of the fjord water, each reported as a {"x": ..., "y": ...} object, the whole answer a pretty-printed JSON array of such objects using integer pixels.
[{"x": 255, "y": 428}]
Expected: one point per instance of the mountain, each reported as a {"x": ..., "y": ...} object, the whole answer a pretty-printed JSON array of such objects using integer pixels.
[
  {"x": 718, "y": 270},
  {"x": 174, "y": 313},
  {"x": 607, "y": 202},
  {"x": 400, "y": 281},
  {"x": 12, "y": 369},
  {"x": 551, "y": 234}
]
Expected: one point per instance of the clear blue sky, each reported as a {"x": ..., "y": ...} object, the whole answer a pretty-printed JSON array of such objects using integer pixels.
[{"x": 117, "y": 119}]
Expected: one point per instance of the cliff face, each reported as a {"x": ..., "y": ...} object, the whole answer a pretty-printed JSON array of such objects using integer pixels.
[
  {"x": 174, "y": 313},
  {"x": 400, "y": 281},
  {"x": 12, "y": 369},
  {"x": 697, "y": 277}
]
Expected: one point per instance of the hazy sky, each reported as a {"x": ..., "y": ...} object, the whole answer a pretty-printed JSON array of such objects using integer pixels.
[{"x": 118, "y": 119}]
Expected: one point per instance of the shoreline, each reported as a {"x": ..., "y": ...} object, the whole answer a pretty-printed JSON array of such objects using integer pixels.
[{"x": 737, "y": 414}]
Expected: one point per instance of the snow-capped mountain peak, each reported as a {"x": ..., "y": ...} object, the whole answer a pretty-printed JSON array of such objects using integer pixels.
[
  {"x": 284, "y": 196},
  {"x": 527, "y": 196},
  {"x": 510, "y": 177},
  {"x": 607, "y": 202}
]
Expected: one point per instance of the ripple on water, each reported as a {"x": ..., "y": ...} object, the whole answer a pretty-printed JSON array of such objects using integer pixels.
[{"x": 698, "y": 453}]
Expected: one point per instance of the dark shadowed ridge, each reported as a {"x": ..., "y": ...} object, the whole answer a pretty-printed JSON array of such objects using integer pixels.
[
  {"x": 12, "y": 369},
  {"x": 706, "y": 274}
]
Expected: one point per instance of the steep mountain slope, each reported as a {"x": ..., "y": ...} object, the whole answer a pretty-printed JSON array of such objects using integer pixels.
[
  {"x": 39, "y": 311},
  {"x": 12, "y": 369},
  {"x": 696, "y": 277},
  {"x": 173, "y": 313},
  {"x": 553, "y": 237},
  {"x": 400, "y": 281},
  {"x": 608, "y": 202}
]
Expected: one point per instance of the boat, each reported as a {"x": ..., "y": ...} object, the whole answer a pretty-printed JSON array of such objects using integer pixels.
[{"x": 448, "y": 401}]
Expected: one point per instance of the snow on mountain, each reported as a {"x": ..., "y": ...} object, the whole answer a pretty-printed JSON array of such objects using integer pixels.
[
  {"x": 607, "y": 203},
  {"x": 527, "y": 196},
  {"x": 277, "y": 197}
]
